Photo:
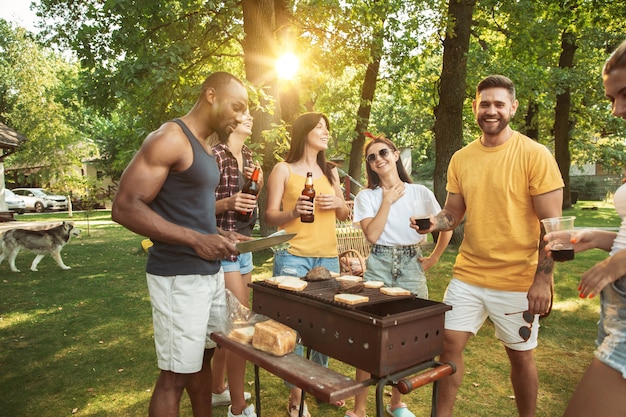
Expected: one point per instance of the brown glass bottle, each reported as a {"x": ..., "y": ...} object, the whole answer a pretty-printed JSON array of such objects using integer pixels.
[
  {"x": 308, "y": 191},
  {"x": 250, "y": 187}
]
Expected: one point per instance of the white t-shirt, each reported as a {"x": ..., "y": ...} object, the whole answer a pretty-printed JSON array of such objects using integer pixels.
[
  {"x": 397, "y": 231},
  {"x": 619, "y": 199}
]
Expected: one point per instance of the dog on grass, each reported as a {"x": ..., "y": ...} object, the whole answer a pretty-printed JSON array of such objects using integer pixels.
[{"x": 41, "y": 242}]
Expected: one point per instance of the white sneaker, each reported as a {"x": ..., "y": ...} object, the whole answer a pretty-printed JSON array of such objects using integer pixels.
[
  {"x": 294, "y": 410},
  {"x": 224, "y": 398},
  {"x": 247, "y": 412}
]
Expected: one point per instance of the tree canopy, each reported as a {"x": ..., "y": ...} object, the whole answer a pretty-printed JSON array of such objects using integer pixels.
[{"x": 140, "y": 63}]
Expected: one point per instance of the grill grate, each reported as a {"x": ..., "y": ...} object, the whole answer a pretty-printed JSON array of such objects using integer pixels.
[{"x": 324, "y": 291}]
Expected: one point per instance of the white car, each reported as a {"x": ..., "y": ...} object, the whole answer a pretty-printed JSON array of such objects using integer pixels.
[
  {"x": 37, "y": 199},
  {"x": 14, "y": 203}
]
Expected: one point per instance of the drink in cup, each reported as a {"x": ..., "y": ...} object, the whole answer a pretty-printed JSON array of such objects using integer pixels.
[
  {"x": 560, "y": 243},
  {"x": 421, "y": 210}
]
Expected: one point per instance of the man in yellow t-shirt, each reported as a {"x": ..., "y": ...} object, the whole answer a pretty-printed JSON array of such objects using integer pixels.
[{"x": 502, "y": 184}]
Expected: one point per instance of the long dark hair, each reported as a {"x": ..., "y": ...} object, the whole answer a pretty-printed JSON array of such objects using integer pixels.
[
  {"x": 301, "y": 128},
  {"x": 373, "y": 180}
]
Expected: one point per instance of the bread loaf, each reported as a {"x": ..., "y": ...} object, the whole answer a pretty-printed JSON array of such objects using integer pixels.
[
  {"x": 274, "y": 338},
  {"x": 242, "y": 334},
  {"x": 394, "y": 291}
]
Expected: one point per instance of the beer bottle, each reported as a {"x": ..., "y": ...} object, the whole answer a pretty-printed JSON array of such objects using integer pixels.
[
  {"x": 250, "y": 187},
  {"x": 308, "y": 191}
]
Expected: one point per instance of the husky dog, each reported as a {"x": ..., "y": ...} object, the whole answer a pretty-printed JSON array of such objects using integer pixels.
[{"x": 41, "y": 242}]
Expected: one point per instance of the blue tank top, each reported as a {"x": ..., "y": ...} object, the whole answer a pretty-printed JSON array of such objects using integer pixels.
[{"x": 187, "y": 198}]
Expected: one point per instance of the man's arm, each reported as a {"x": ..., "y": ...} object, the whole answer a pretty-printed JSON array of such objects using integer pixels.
[
  {"x": 452, "y": 213},
  {"x": 539, "y": 294},
  {"x": 163, "y": 151}
]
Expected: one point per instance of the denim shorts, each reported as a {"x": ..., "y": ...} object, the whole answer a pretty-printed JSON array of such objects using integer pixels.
[
  {"x": 397, "y": 266},
  {"x": 611, "y": 340},
  {"x": 243, "y": 264},
  {"x": 286, "y": 264}
]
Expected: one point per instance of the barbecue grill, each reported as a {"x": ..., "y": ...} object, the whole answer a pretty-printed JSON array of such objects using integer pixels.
[{"x": 382, "y": 336}]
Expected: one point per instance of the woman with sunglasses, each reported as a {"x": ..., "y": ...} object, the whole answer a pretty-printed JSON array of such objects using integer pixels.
[
  {"x": 602, "y": 389},
  {"x": 383, "y": 210},
  {"x": 315, "y": 243}
]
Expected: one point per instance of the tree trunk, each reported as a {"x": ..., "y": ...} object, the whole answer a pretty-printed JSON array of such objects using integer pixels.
[
  {"x": 258, "y": 47},
  {"x": 531, "y": 120},
  {"x": 365, "y": 108},
  {"x": 449, "y": 112},
  {"x": 562, "y": 124},
  {"x": 289, "y": 97}
]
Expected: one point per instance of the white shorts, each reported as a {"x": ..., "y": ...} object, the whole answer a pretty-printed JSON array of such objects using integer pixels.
[
  {"x": 471, "y": 305},
  {"x": 186, "y": 309}
]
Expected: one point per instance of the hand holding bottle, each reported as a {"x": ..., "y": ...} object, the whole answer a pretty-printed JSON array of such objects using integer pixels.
[{"x": 308, "y": 192}]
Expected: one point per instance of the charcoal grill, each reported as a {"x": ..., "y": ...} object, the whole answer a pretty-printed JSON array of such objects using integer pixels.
[{"x": 383, "y": 336}]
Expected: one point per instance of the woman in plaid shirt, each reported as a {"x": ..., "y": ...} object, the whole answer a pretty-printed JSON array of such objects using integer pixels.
[{"x": 234, "y": 160}]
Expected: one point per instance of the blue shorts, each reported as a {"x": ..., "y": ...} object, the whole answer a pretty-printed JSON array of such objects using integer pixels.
[
  {"x": 243, "y": 264},
  {"x": 397, "y": 266},
  {"x": 286, "y": 264},
  {"x": 611, "y": 340}
]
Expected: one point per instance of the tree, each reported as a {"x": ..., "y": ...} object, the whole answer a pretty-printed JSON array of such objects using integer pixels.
[
  {"x": 36, "y": 87},
  {"x": 448, "y": 113}
]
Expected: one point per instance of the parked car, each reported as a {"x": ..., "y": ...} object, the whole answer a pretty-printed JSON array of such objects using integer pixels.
[
  {"x": 14, "y": 203},
  {"x": 37, "y": 199}
]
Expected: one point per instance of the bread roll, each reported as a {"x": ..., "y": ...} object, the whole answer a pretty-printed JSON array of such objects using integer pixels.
[{"x": 274, "y": 338}]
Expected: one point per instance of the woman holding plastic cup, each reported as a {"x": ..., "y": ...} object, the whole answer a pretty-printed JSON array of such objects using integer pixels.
[
  {"x": 602, "y": 389},
  {"x": 386, "y": 210}
]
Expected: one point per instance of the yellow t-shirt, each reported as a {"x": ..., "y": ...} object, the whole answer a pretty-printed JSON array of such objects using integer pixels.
[
  {"x": 313, "y": 240},
  {"x": 500, "y": 246}
]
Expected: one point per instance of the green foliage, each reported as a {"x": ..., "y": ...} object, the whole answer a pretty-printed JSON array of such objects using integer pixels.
[
  {"x": 141, "y": 63},
  {"x": 36, "y": 87}
]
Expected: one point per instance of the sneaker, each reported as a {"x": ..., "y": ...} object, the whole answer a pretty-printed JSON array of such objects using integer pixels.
[
  {"x": 247, "y": 412},
  {"x": 294, "y": 410},
  {"x": 224, "y": 398}
]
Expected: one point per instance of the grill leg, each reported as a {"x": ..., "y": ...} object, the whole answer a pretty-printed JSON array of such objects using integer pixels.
[
  {"x": 257, "y": 390},
  {"x": 380, "y": 387},
  {"x": 301, "y": 411}
]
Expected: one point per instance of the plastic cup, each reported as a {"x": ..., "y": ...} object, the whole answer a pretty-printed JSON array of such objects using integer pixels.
[
  {"x": 421, "y": 211},
  {"x": 560, "y": 243}
]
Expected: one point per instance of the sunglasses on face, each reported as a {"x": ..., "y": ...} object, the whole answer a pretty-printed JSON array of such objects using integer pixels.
[
  {"x": 524, "y": 331},
  {"x": 383, "y": 153}
]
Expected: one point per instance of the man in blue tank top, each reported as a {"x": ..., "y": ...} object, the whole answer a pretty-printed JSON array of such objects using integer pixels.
[{"x": 167, "y": 193}]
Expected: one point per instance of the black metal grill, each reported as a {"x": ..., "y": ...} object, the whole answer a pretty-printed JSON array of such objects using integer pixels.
[{"x": 382, "y": 336}]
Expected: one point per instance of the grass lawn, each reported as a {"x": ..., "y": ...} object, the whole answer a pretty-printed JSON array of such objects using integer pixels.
[{"x": 79, "y": 342}]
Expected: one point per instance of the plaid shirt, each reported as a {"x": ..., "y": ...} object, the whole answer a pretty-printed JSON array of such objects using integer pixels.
[{"x": 229, "y": 181}]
